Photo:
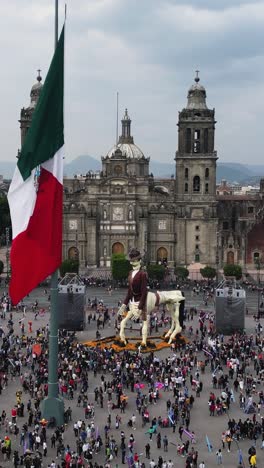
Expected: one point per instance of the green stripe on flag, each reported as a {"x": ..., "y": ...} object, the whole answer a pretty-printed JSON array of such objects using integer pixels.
[{"x": 45, "y": 135}]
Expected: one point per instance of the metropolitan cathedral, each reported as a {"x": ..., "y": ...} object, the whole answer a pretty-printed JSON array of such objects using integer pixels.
[{"x": 181, "y": 221}]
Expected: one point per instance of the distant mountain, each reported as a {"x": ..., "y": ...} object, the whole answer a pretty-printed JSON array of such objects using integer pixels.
[
  {"x": 81, "y": 165},
  {"x": 256, "y": 168},
  {"x": 251, "y": 180},
  {"x": 7, "y": 169},
  {"x": 247, "y": 174},
  {"x": 258, "y": 171},
  {"x": 232, "y": 172},
  {"x": 159, "y": 169}
]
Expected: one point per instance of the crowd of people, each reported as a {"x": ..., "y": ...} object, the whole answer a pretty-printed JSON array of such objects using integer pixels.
[{"x": 115, "y": 395}]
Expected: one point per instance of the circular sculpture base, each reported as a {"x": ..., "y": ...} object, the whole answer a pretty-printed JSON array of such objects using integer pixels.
[{"x": 156, "y": 343}]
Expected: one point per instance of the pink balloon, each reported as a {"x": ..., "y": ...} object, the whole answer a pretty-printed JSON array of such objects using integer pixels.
[{"x": 159, "y": 385}]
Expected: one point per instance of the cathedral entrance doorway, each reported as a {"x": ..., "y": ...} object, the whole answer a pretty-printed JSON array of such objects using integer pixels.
[
  {"x": 73, "y": 253},
  {"x": 230, "y": 258},
  {"x": 162, "y": 254},
  {"x": 117, "y": 248}
]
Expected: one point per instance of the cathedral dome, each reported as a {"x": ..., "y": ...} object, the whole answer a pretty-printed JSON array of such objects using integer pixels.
[
  {"x": 197, "y": 95},
  {"x": 126, "y": 146},
  {"x": 35, "y": 91},
  {"x": 129, "y": 150}
]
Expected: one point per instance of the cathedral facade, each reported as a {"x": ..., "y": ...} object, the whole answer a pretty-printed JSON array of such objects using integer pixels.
[{"x": 181, "y": 220}]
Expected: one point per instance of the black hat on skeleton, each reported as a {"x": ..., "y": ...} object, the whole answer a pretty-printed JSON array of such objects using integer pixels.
[{"x": 134, "y": 255}]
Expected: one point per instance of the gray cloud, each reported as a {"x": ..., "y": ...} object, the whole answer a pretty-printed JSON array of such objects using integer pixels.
[{"x": 148, "y": 51}]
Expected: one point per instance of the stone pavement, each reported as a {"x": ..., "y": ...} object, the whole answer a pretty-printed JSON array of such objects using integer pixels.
[
  {"x": 201, "y": 423},
  {"x": 119, "y": 294}
]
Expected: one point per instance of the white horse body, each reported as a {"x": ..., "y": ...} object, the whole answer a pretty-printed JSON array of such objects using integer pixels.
[{"x": 172, "y": 299}]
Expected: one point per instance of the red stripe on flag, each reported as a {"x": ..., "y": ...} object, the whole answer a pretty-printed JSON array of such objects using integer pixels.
[{"x": 37, "y": 252}]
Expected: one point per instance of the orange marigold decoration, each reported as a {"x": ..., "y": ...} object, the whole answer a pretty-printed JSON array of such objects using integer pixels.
[{"x": 113, "y": 342}]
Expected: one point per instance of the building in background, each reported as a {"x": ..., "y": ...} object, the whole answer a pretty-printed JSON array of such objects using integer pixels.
[{"x": 185, "y": 220}]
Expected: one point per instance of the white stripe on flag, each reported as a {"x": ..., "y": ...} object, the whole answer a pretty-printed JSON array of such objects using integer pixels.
[
  {"x": 22, "y": 199},
  {"x": 55, "y": 165}
]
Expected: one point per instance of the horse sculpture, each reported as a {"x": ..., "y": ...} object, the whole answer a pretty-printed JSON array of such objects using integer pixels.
[{"x": 172, "y": 300}]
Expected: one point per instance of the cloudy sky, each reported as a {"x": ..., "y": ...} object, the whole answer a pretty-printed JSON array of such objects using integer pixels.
[{"x": 147, "y": 50}]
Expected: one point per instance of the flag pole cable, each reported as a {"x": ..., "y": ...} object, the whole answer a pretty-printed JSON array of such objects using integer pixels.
[{"x": 53, "y": 406}]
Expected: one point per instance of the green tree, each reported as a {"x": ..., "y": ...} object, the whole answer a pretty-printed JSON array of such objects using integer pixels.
[
  {"x": 69, "y": 266},
  {"x": 120, "y": 267},
  {"x": 156, "y": 272},
  {"x": 233, "y": 270},
  {"x": 5, "y": 220},
  {"x": 1, "y": 267},
  {"x": 181, "y": 272},
  {"x": 208, "y": 272}
]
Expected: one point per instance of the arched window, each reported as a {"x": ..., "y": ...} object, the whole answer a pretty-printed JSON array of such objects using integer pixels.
[
  {"x": 118, "y": 248},
  {"x": 206, "y": 140},
  {"x": 186, "y": 188},
  {"x": 196, "y": 183},
  {"x": 186, "y": 173},
  {"x": 162, "y": 255},
  {"x": 188, "y": 140},
  {"x": 73, "y": 253},
  {"x": 206, "y": 188},
  {"x": 206, "y": 173},
  {"x": 230, "y": 258},
  {"x": 256, "y": 257},
  {"x": 197, "y": 142}
]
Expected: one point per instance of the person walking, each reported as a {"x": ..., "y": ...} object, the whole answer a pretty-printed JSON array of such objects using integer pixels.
[
  {"x": 219, "y": 457},
  {"x": 223, "y": 438},
  {"x": 159, "y": 440},
  {"x": 253, "y": 460},
  {"x": 180, "y": 432},
  {"x": 123, "y": 453},
  {"x": 45, "y": 448},
  {"x": 133, "y": 419},
  {"x": 165, "y": 443},
  {"x": 228, "y": 441},
  {"x": 147, "y": 449}
]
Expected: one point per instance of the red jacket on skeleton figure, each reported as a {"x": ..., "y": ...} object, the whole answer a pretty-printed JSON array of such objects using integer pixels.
[{"x": 137, "y": 289}]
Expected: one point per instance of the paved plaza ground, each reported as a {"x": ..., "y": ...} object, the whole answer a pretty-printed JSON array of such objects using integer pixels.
[{"x": 201, "y": 423}]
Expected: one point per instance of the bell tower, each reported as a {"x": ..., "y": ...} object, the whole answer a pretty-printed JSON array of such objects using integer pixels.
[
  {"x": 195, "y": 189},
  {"x": 26, "y": 113},
  {"x": 196, "y": 157}
]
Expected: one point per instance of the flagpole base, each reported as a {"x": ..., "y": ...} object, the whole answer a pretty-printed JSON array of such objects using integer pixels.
[{"x": 52, "y": 407}]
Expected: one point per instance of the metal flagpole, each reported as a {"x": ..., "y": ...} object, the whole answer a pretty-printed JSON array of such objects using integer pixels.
[
  {"x": 56, "y": 33},
  {"x": 53, "y": 406},
  {"x": 117, "y": 96}
]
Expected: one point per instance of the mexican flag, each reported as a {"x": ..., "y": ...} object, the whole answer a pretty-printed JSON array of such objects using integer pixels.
[{"x": 36, "y": 191}]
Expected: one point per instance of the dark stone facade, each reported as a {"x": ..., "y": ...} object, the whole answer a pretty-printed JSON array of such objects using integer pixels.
[{"x": 182, "y": 220}]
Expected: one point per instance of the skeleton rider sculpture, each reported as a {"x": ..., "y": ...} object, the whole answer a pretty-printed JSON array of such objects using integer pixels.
[{"x": 142, "y": 302}]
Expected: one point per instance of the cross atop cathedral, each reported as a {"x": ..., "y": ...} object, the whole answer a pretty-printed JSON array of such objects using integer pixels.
[{"x": 197, "y": 78}]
